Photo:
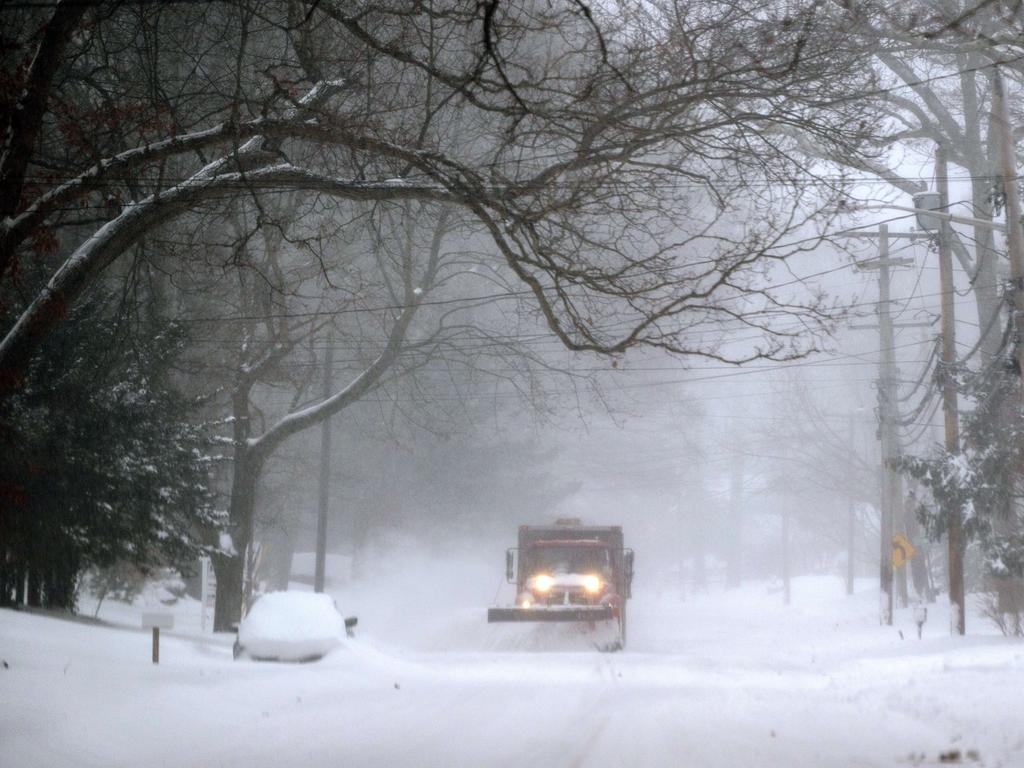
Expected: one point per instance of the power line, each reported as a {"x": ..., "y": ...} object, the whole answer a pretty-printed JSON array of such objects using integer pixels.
[{"x": 513, "y": 294}]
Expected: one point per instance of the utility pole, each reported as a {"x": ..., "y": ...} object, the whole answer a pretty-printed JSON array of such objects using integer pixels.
[
  {"x": 325, "y": 472},
  {"x": 1014, "y": 236},
  {"x": 888, "y": 414},
  {"x": 1010, "y": 591},
  {"x": 887, "y": 418},
  {"x": 950, "y": 406},
  {"x": 940, "y": 222}
]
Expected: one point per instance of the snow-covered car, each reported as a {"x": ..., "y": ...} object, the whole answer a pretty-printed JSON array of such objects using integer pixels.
[{"x": 291, "y": 626}]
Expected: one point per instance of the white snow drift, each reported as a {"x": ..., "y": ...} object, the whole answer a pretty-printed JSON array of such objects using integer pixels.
[{"x": 717, "y": 680}]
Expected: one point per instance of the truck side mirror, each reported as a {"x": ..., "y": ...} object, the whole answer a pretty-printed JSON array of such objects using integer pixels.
[
  {"x": 510, "y": 570},
  {"x": 629, "y": 570}
]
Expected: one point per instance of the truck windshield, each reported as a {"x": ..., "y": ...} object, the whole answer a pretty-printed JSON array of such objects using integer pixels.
[{"x": 569, "y": 559}]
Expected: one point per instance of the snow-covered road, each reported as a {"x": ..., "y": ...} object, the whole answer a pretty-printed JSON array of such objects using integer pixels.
[{"x": 722, "y": 680}]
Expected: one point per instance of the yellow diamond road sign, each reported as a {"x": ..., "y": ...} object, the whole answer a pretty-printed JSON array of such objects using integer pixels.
[{"x": 902, "y": 550}]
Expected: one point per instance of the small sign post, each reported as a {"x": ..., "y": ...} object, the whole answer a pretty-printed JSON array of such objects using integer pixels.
[
  {"x": 920, "y": 617},
  {"x": 156, "y": 622}
]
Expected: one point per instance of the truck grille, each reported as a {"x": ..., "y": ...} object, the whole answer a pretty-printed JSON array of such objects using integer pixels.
[{"x": 569, "y": 597}]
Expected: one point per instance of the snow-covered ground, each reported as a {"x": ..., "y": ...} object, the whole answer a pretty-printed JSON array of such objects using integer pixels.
[{"x": 724, "y": 679}]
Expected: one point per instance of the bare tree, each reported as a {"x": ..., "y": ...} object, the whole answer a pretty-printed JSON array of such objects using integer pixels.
[
  {"x": 937, "y": 62},
  {"x": 602, "y": 149},
  {"x": 635, "y": 184}
]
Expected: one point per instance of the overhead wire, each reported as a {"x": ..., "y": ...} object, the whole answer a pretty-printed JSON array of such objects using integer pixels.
[
  {"x": 527, "y": 292},
  {"x": 932, "y": 357}
]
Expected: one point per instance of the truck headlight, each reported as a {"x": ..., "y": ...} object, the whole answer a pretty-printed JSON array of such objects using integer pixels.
[
  {"x": 543, "y": 583},
  {"x": 592, "y": 584}
]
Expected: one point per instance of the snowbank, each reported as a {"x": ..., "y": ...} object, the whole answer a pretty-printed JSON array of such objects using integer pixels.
[
  {"x": 291, "y": 626},
  {"x": 719, "y": 680}
]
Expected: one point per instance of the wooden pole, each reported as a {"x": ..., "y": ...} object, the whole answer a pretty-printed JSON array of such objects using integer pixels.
[
  {"x": 325, "y": 474},
  {"x": 156, "y": 645},
  {"x": 890, "y": 482},
  {"x": 950, "y": 406},
  {"x": 887, "y": 403}
]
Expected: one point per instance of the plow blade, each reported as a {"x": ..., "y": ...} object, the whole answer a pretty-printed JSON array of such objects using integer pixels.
[{"x": 573, "y": 613}]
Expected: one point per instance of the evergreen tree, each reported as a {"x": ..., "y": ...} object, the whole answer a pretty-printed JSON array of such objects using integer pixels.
[
  {"x": 101, "y": 464},
  {"x": 982, "y": 482}
]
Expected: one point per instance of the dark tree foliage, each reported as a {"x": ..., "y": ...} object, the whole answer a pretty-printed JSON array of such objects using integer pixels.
[{"x": 100, "y": 463}]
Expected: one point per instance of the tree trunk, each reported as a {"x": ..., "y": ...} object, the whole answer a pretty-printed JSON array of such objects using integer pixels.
[
  {"x": 785, "y": 558},
  {"x": 733, "y": 573},
  {"x": 698, "y": 552},
  {"x": 6, "y": 581},
  {"x": 986, "y": 286},
  {"x": 228, "y": 607},
  {"x": 19, "y": 586},
  {"x": 980, "y": 152},
  {"x": 230, "y": 568},
  {"x": 851, "y": 540},
  {"x": 60, "y": 586},
  {"x": 35, "y": 589},
  {"x": 700, "y": 571},
  {"x": 281, "y": 545}
]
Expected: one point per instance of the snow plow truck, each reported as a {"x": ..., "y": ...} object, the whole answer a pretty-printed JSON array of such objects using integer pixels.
[{"x": 569, "y": 572}]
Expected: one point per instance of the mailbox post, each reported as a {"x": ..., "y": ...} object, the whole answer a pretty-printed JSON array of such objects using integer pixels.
[{"x": 156, "y": 622}]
